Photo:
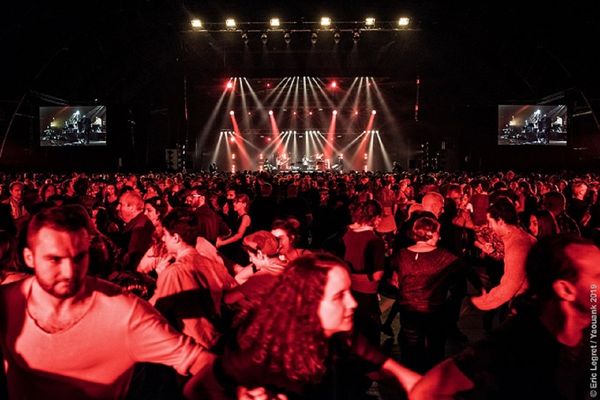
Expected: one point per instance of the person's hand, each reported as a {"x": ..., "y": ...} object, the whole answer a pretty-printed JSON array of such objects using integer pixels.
[
  {"x": 219, "y": 243},
  {"x": 163, "y": 264},
  {"x": 477, "y": 301}
]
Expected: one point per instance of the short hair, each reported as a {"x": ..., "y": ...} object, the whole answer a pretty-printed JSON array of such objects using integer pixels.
[
  {"x": 504, "y": 209},
  {"x": 67, "y": 218},
  {"x": 15, "y": 183},
  {"x": 554, "y": 201},
  {"x": 182, "y": 221},
  {"x": 365, "y": 212},
  {"x": 131, "y": 197},
  {"x": 158, "y": 204},
  {"x": 424, "y": 228},
  {"x": 548, "y": 262}
]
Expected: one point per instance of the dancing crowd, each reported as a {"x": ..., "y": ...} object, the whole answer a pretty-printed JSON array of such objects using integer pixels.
[{"x": 270, "y": 286}]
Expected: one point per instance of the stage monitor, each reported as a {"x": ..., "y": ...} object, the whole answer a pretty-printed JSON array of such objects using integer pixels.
[
  {"x": 73, "y": 126},
  {"x": 532, "y": 124}
]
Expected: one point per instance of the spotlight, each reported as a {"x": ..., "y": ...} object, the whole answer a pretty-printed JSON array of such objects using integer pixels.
[
  {"x": 230, "y": 23},
  {"x": 196, "y": 23},
  {"x": 232, "y": 140},
  {"x": 373, "y": 112},
  {"x": 231, "y": 113},
  {"x": 313, "y": 38},
  {"x": 370, "y": 22},
  {"x": 337, "y": 36},
  {"x": 334, "y": 112},
  {"x": 355, "y": 112},
  {"x": 245, "y": 37},
  {"x": 325, "y": 22},
  {"x": 294, "y": 112},
  {"x": 268, "y": 85},
  {"x": 403, "y": 21},
  {"x": 229, "y": 85},
  {"x": 233, "y": 156},
  {"x": 287, "y": 37},
  {"x": 264, "y": 37},
  {"x": 310, "y": 113},
  {"x": 275, "y": 23},
  {"x": 333, "y": 84},
  {"x": 356, "y": 35},
  {"x": 270, "y": 112}
]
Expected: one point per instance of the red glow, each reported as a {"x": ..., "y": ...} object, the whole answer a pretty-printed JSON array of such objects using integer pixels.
[
  {"x": 268, "y": 85},
  {"x": 333, "y": 84},
  {"x": 232, "y": 140},
  {"x": 355, "y": 112},
  {"x": 310, "y": 113},
  {"x": 294, "y": 112},
  {"x": 231, "y": 112},
  {"x": 334, "y": 112},
  {"x": 229, "y": 85},
  {"x": 270, "y": 112}
]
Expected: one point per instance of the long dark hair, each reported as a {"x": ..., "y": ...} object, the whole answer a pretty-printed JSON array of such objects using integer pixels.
[{"x": 284, "y": 333}]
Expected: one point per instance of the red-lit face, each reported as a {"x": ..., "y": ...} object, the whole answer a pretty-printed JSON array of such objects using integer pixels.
[
  {"x": 337, "y": 305},
  {"x": 17, "y": 192},
  {"x": 284, "y": 240},
  {"x": 60, "y": 261},
  {"x": 152, "y": 214},
  {"x": 533, "y": 225}
]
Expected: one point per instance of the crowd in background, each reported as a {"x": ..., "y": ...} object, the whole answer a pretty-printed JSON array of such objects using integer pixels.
[{"x": 228, "y": 260}]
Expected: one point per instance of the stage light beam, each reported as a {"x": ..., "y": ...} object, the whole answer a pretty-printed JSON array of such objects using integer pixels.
[
  {"x": 230, "y": 23},
  {"x": 196, "y": 23}
]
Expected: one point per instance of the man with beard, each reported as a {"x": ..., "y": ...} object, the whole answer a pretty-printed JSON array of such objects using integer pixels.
[{"x": 66, "y": 335}]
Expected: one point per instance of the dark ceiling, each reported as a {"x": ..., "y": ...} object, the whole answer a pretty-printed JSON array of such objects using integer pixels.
[{"x": 124, "y": 50}]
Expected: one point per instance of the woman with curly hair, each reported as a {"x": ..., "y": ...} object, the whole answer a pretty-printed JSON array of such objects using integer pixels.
[{"x": 299, "y": 340}]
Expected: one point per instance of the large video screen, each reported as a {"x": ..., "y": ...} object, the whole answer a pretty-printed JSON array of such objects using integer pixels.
[
  {"x": 532, "y": 125},
  {"x": 73, "y": 126}
]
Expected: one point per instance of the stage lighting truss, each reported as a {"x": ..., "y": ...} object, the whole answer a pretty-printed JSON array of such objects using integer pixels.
[{"x": 354, "y": 29}]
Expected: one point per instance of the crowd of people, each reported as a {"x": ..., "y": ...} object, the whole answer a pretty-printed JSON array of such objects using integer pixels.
[{"x": 259, "y": 285}]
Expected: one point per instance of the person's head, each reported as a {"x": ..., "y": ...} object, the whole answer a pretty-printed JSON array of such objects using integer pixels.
[
  {"x": 579, "y": 189},
  {"x": 180, "y": 229},
  {"x": 155, "y": 208},
  {"x": 16, "y": 190},
  {"x": 47, "y": 190},
  {"x": 563, "y": 268},
  {"x": 554, "y": 202},
  {"x": 454, "y": 193},
  {"x": 542, "y": 224},
  {"x": 433, "y": 202},
  {"x": 502, "y": 214},
  {"x": 130, "y": 205},
  {"x": 426, "y": 229},
  {"x": 230, "y": 194},
  {"x": 287, "y": 231},
  {"x": 310, "y": 302},
  {"x": 57, "y": 249},
  {"x": 261, "y": 246},
  {"x": 241, "y": 204},
  {"x": 367, "y": 213},
  {"x": 196, "y": 197}
]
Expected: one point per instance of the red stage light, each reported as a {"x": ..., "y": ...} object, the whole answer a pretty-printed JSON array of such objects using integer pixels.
[
  {"x": 294, "y": 112},
  {"x": 270, "y": 112},
  {"x": 268, "y": 85},
  {"x": 310, "y": 113},
  {"x": 333, "y": 84},
  {"x": 231, "y": 112},
  {"x": 334, "y": 112},
  {"x": 373, "y": 112},
  {"x": 355, "y": 112},
  {"x": 229, "y": 85}
]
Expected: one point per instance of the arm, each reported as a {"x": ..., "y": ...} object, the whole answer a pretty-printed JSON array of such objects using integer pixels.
[
  {"x": 238, "y": 235},
  {"x": 406, "y": 377},
  {"x": 443, "y": 381},
  {"x": 511, "y": 282}
]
